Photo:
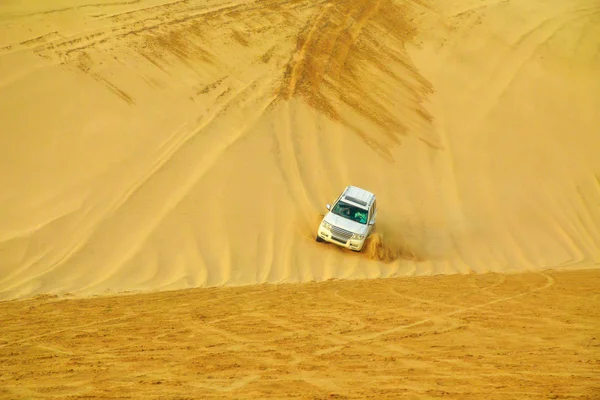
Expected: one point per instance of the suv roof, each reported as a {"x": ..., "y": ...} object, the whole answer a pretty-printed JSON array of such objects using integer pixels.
[{"x": 361, "y": 197}]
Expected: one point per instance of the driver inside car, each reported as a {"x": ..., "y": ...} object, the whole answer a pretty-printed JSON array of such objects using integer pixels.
[{"x": 361, "y": 217}]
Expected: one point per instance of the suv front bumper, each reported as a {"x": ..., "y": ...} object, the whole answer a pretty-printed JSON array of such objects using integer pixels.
[{"x": 352, "y": 244}]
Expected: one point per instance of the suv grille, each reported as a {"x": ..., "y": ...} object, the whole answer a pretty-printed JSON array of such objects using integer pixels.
[{"x": 341, "y": 235}]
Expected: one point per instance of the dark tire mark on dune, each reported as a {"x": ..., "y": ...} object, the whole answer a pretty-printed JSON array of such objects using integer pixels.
[
  {"x": 156, "y": 33},
  {"x": 336, "y": 51}
]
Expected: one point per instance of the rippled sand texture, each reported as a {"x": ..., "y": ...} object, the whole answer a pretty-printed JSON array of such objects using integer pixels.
[
  {"x": 493, "y": 336},
  {"x": 148, "y": 146}
]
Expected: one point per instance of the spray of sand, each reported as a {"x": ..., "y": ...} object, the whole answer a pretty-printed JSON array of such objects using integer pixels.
[{"x": 381, "y": 248}]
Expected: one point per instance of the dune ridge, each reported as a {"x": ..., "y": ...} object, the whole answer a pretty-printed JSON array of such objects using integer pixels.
[{"x": 152, "y": 145}]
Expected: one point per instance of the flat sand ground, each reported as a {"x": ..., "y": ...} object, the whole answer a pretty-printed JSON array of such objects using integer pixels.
[
  {"x": 151, "y": 145},
  {"x": 493, "y": 336}
]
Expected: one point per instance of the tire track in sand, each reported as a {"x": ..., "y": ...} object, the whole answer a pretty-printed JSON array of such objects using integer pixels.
[
  {"x": 282, "y": 341},
  {"x": 367, "y": 337},
  {"x": 129, "y": 315},
  {"x": 165, "y": 154},
  {"x": 523, "y": 51},
  {"x": 256, "y": 91},
  {"x": 145, "y": 19},
  {"x": 309, "y": 66},
  {"x": 332, "y": 71}
]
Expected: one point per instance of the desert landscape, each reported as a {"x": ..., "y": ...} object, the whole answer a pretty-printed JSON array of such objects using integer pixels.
[{"x": 164, "y": 167}]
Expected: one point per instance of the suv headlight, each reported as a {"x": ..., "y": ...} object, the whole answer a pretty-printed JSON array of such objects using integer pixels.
[
  {"x": 357, "y": 236},
  {"x": 326, "y": 225}
]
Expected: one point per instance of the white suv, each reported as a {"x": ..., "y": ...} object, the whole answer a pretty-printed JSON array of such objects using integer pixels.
[{"x": 351, "y": 219}]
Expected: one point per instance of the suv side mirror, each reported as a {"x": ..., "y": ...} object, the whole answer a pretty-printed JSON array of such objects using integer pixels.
[{"x": 328, "y": 206}]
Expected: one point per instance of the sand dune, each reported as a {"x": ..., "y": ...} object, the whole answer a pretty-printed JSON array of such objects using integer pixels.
[
  {"x": 149, "y": 145},
  {"x": 152, "y": 146}
]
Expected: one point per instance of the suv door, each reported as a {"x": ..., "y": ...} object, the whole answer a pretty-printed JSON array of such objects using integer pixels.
[{"x": 373, "y": 217}]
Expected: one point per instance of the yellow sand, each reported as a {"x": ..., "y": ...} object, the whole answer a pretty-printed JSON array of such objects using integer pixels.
[
  {"x": 148, "y": 146},
  {"x": 481, "y": 336}
]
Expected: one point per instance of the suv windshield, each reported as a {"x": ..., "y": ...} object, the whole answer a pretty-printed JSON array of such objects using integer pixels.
[{"x": 350, "y": 212}]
